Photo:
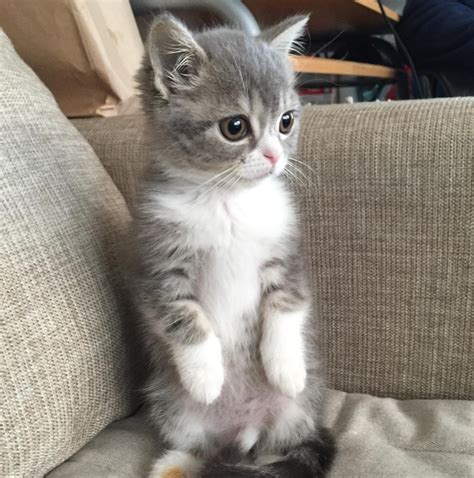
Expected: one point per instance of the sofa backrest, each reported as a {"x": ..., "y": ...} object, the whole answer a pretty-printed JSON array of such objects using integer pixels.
[
  {"x": 389, "y": 227},
  {"x": 387, "y": 207}
]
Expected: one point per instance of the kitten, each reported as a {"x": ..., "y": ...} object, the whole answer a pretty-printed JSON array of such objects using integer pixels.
[{"x": 218, "y": 273}]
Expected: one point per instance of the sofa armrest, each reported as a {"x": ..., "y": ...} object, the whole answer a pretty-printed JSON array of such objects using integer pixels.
[{"x": 388, "y": 223}]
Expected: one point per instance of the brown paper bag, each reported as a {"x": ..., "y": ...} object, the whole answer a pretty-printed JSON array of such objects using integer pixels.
[{"x": 85, "y": 51}]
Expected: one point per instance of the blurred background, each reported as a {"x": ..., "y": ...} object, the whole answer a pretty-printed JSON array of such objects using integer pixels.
[{"x": 87, "y": 51}]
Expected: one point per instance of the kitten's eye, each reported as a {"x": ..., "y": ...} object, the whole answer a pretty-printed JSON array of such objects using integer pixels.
[
  {"x": 286, "y": 122},
  {"x": 234, "y": 128}
]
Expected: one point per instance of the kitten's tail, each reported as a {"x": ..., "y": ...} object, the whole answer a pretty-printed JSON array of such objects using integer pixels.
[{"x": 311, "y": 459}]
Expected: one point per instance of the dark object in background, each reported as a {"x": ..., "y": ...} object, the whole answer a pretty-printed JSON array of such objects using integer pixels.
[{"x": 439, "y": 34}]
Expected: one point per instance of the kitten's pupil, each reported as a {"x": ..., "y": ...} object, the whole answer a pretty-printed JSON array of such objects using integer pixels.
[
  {"x": 235, "y": 125},
  {"x": 286, "y": 122},
  {"x": 234, "y": 128}
]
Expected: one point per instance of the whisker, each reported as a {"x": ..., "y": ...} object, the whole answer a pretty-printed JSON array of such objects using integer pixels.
[
  {"x": 213, "y": 186},
  {"x": 292, "y": 176},
  {"x": 223, "y": 179},
  {"x": 301, "y": 162},
  {"x": 234, "y": 180},
  {"x": 218, "y": 185},
  {"x": 292, "y": 168},
  {"x": 230, "y": 180},
  {"x": 214, "y": 177},
  {"x": 292, "y": 180},
  {"x": 295, "y": 170}
]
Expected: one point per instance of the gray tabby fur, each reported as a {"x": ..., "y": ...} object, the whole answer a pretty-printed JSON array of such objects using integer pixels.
[{"x": 198, "y": 279}]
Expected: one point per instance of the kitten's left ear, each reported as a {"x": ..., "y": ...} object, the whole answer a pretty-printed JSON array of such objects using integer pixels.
[
  {"x": 283, "y": 36},
  {"x": 174, "y": 55}
]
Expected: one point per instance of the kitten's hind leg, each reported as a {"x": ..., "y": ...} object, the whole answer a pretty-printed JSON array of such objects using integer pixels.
[{"x": 176, "y": 464}]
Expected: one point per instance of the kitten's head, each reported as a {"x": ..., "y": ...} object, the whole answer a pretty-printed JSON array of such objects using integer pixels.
[{"x": 221, "y": 102}]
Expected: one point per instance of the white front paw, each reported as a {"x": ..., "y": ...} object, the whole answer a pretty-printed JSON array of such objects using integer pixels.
[
  {"x": 201, "y": 370},
  {"x": 285, "y": 371},
  {"x": 282, "y": 351}
]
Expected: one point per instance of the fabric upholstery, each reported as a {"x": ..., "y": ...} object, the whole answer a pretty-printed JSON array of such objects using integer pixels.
[
  {"x": 388, "y": 214},
  {"x": 62, "y": 347},
  {"x": 376, "y": 437},
  {"x": 124, "y": 449},
  {"x": 121, "y": 145},
  {"x": 386, "y": 200}
]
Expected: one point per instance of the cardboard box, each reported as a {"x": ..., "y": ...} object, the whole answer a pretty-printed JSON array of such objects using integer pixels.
[{"x": 85, "y": 51}]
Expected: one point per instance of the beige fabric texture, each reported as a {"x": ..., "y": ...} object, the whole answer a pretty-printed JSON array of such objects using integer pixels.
[
  {"x": 389, "y": 228},
  {"x": 62, "y": 349},
  {"x": 377, "y": 437},
  {"x": 121, "y": 144},
  {"x": 387, "y": 207}
]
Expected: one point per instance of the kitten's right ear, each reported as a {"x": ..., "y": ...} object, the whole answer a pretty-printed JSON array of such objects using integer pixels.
[
  {"x": 174, "y": 55},
  {"x": 284, "y": 36}
]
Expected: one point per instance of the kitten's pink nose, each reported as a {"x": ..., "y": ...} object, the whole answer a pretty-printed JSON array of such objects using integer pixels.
[{"x": 271, "y": 156}]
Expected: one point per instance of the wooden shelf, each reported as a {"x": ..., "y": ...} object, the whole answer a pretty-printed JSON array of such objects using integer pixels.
[
  {"x": 328, "y": 17},
  {"x": 374, "y": 6},
  {"x": 326, "y": 66}
]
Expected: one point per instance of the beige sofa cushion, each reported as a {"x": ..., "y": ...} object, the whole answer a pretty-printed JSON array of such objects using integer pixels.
[
  {"x": 64, "y": 367},
  {"x": 376, "y": 438}
]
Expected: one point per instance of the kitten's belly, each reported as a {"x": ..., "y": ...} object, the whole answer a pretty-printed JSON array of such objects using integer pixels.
[
  {"x": 230, "y": 292},
  {"x": 237, "y": 410}
]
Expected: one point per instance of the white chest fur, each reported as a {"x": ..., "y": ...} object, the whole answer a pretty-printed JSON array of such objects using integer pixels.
[{"x": 238, "y": 233}]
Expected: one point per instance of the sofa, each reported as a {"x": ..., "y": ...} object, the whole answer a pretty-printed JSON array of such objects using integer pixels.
[{"x": 386, "y": 202}]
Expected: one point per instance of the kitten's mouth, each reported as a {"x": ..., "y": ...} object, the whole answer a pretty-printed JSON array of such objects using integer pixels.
[
  {"x": 259, "y": 177},
  {"x": 266, "y": 174}
]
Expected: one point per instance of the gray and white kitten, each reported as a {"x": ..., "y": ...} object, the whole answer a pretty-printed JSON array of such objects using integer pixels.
[{"x": 218, "y": 273}]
